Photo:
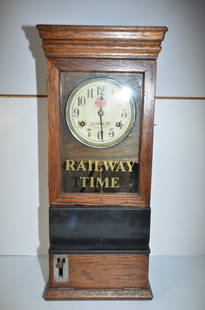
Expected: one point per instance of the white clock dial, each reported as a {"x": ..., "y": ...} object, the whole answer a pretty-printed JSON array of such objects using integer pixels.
[{"x": 100, "y": 112}]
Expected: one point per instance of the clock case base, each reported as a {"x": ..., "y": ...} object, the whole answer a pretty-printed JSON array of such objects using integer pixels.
[
  {"x": 99, "y": 276},
  {"x": 97, "y": 294}
]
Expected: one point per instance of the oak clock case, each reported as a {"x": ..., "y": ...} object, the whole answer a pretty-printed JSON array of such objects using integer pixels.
[{"x": 101, "y": 83}]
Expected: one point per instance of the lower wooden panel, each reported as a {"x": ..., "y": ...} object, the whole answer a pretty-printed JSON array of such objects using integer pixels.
[
  {"x": 100, "y": 276},
  {"x": 104, "y": 271}
]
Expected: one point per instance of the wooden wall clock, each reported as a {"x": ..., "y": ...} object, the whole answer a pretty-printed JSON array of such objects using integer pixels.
[{"x": 101, "y": 86}]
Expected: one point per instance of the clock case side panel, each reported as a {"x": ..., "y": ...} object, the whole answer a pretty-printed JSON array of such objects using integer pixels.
[
  {"x": 54, "y": 173},
  {"x": 148, "y": 69},
  {"x": 147, "y": 131}
]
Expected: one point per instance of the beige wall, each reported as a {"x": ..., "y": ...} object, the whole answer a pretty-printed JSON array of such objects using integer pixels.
[{"x": 178, "y": 198}]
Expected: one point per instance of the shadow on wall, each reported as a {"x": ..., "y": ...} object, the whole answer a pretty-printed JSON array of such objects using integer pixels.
[{"x": 34, "y": 40}]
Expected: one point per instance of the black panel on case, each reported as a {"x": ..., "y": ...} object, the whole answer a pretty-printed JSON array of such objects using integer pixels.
[{"x": 102, "y": 229}]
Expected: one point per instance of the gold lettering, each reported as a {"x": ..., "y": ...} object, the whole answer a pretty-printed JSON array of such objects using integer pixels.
[
  {"x": 69, "y": 165},
  {"x": 97, "y": 166},
  {"x": 84, "y": 179},
  {"x": 109, "y": 164},
  {"x": 130, "y": 165},
  {"x": 92, "y": 182},
  {"x": 114, "y": 182},
  {"x": 120, "y": 167},
  {"x": 102, "y": 183},
  {"x": 90, "y": 162},
  {"x": 81, "y": 166}
]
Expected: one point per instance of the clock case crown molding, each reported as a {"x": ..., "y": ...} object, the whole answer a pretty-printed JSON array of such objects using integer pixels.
[{"x": 102, "y": 41}]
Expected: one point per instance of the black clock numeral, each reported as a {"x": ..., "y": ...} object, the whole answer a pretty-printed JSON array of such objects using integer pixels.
[
  {"x": 89, "y": 132},
  {"x": 111, "y": 132},
  {"x": 99, "y": 135},
  {"x": 124, "y": 114},
  {"x": 81, "y": 101},
  {"x": 90, "y": 93},
  {"x": 119, "y": 124},
  {"x": 76, "y": 112},
  {"x": 100, "y": 90}
]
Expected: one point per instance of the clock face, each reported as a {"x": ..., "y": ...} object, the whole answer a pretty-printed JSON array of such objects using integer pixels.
[{"x": 100, "y": 112}]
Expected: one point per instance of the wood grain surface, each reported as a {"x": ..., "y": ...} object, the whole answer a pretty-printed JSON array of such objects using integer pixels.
[
  {"x": 147, "y": 69},
  {"x": 62, "y": 44},
  {"x": 97, "y": 294},
  {"x": 108, "y": 271},
  {"x": 102, "y": 41},
  {"x": 101, "y": 49}
]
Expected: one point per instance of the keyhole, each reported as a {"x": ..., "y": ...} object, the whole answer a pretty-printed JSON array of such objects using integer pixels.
[
  {"x": 60, "y": 265},
  {"x": 60, "y": 268}
]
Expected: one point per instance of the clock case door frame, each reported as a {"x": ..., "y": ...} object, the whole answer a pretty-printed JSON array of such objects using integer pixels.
[{"x": 145, "y": 67}]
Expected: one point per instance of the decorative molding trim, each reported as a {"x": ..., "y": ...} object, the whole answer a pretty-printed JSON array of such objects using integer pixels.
[{"x": 102, "y": 41}]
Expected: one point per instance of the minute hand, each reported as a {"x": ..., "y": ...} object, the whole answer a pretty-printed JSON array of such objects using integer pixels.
[{"x": 100, "y": 113}]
